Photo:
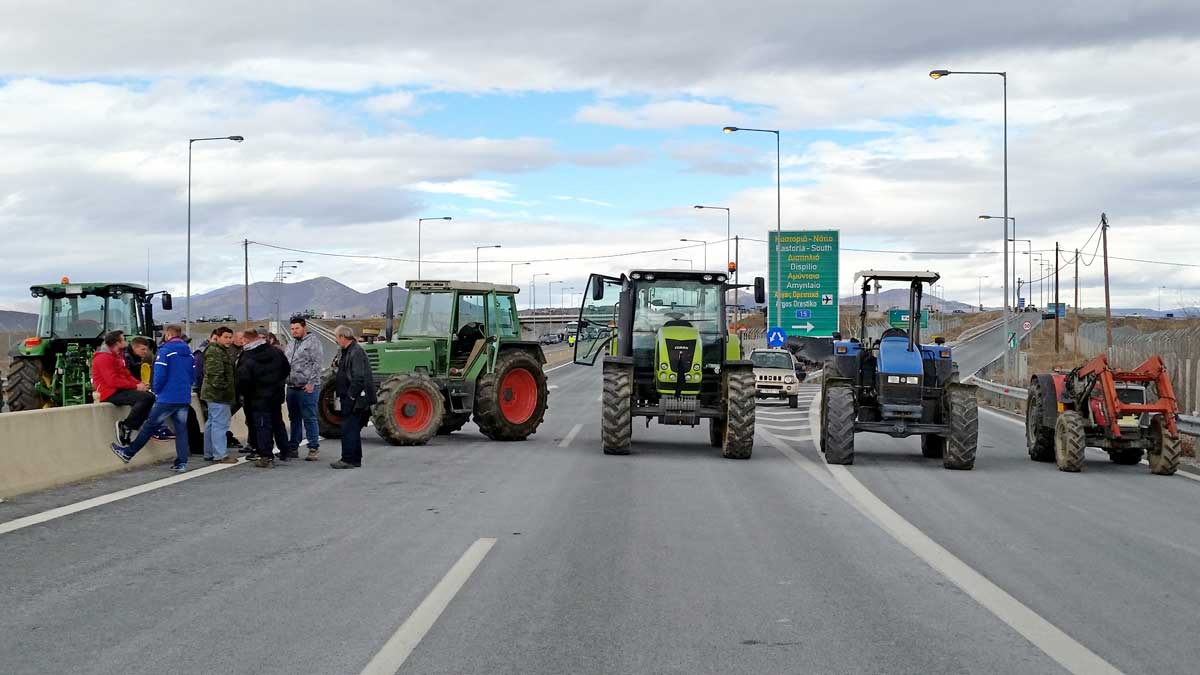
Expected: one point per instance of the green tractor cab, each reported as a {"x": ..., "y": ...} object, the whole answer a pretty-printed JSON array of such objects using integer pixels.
[
  {"x": 53, "y": 367},
  {"x": 458, "y": 355},
  {"x": 668, "y": 356}
]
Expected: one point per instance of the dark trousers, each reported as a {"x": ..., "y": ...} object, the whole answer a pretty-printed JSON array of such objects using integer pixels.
[
  {"x": 269, "y": 430},
  {"x": 249, "y": 415},
  {"x": 140, "y": 403},
  {"x": 351, "y": 434}
]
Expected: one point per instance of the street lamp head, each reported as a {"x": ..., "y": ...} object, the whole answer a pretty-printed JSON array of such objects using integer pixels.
[
  {"x": 935, "y": 74},
  {"x": 447, "y": 218},
  {"x": 729, "y": 130},
  {"x": 985, "y": 217},
  {"x": 237, "y": 139}
]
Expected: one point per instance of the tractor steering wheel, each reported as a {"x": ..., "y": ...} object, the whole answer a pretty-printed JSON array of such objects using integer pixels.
[
  {"x": 470, "y": 332},
  {"x": 678, "y": 316}
]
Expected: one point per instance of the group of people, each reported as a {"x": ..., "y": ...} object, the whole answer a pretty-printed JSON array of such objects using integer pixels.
[{"x": 233, "y": 370}]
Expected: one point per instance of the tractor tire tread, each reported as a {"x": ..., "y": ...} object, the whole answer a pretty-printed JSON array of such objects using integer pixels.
[
  {"x": 740, "y": 405},
  {"x": 1039, "y": 440},
  {"x": 19, "y": 392},
  {"x": 837, "y": 432},
  {"x": 616, "y": 414},
  {"x": 488, "y": 415},
  {"x": 963, "y": 441},
  {"x": 329, "y": 428},
  {"x": 1163, "y": 457},
  {"x": 382, "y": 414},
  {"x": 1070, "y": 442}
]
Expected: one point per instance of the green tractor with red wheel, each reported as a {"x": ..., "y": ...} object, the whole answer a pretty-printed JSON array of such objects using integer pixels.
[{"x": 457, "y": 356}]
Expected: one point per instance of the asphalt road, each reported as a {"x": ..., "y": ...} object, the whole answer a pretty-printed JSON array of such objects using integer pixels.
[
  {"x": 982, "y": 349},
  {"x": 671, "y": 560}
]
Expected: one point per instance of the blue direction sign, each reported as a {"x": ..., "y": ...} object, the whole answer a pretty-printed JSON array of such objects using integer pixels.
[
  {"x": 776, "y": 337},
  {"x": 803, "y": 269},
  {"x": 1020, "y": 303}
]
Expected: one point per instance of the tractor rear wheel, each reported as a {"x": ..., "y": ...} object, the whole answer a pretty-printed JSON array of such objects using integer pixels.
[
  {"x": 1069, "y": 441},
  {"x": 19, "y": 390},
  {"x": 1127, "y": 457},
  {"x": 933, "y": 446},
  {"x": 716, "y": 432},
  {"x": 410, "y": 409},
  {"x": 1163, "y": 456},
  {"x": 329, "y": 419},
  {"x": 963, "y": 440},
  {"x": 740, "y": 404},
  {"x": 510, "y": 402},
  {"x": 452, "y": 422},
  {"x": 837, "y": 431},
  {"x": 616, "y": 414},
  {"x": 1039, "y": 439}
]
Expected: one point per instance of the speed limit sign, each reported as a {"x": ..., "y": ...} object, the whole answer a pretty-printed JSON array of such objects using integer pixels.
[{"x": 1026, "y": 326}]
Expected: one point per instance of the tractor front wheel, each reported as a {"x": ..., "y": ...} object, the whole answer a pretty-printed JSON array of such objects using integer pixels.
[
  {"x": 410, "y": 409},
  {"x": 1039, "y": 439},
  {"x": 329, "y": 419},
  {"x": 510, "y": 402},
  {"x": 1164, "y": 448},
  {"x": 21, "y": 388},
  {"x": 739, "y": 413},
  {"x": 963, "y": 440},
  {"x": 616, "y": 413},
  {"x": 837, "y": 430},
  {"x": 1069, "y": 441}
]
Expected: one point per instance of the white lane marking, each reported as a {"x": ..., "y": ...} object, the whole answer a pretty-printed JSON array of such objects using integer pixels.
[
  {"x": 778, "y": 427},
  {"x": 570, "y": 436},
  {"x": 92, "y": 503},
  {"x": 1009, "y": 418},
  {"x": 1180, "y": 472},
  {"x": 564, "y": 365},
  {"x": 1041, "y": 633},
  {"x": 406, "y": 638},
  {"x": 552, "y": 386}
]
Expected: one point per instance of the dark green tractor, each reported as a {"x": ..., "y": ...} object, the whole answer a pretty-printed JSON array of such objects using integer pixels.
[
  {"x": 53, "y": 367},
  {"x": 458, "y": 355},
  {"x": 669, "y": 356}
]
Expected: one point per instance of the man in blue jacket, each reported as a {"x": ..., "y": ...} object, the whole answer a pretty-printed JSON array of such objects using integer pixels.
[{"x": 174, "y": 371}]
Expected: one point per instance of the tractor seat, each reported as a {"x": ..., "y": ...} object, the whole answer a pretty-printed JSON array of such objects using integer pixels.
[{"x": 893, "y": 332}]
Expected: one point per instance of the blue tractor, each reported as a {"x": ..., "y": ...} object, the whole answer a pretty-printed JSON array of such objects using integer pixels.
[{"x": 897, "y": 386}]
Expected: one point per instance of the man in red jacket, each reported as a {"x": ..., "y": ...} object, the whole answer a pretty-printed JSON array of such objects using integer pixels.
[{"x": 113, "y": 383}]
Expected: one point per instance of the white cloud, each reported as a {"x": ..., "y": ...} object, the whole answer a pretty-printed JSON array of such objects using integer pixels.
[
  {"x": 659, "y": 115},
  {"x": 487, "y": 190},
  {"x": 395, "y": 102}
]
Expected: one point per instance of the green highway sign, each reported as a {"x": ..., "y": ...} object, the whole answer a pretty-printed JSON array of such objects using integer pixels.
[
  {"x": 898, "y": 318},
  {"x": 803, "y": 268}
]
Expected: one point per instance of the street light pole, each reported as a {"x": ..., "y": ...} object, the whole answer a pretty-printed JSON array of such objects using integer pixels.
[
  {"x": 187, "y": 323},
  {"x": 936, "y": 74},
  {"x": 1013, "y": 220},
  {"x": 778, "y": 206},
  {"x": 686, "y": 260},
  {"x": 511, "y": 267},
  {"x": 699, "y": 241},
  {"x": 419, "y": 221},
  {"x": 728, "y": 233},
  {"x": 533, "y": 288},
  {"x": 477, "y": 258},
  {"x": 980, "y": 299},
  {"x": 550, "y": 293}
]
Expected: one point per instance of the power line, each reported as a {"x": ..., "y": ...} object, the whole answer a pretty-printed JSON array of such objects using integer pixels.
[{"x": 472, "y": 262}]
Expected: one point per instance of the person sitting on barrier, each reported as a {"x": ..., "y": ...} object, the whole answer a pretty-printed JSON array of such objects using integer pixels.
[
  {"x": 135, "y": 358},
  {"x": 172, "y": 385},
  {"x": 113, "y": 383}
]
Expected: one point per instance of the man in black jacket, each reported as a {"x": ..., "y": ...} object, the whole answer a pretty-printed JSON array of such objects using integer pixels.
[
  {"x": 261, "y": 377},
  {"x": 356, "y": 393}
]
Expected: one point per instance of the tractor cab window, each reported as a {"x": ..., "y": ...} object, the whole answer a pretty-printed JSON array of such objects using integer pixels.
[
  {"x": 122, "y": 314},
  {"x": 662, "y": 301},
  {"x": 506, "y": 313},
  {"x": 428, "y": 314},
  {"x": 470, "y": 310},
  {"x": 597, "y": 318},
  {"x": 77, "y": 316}
]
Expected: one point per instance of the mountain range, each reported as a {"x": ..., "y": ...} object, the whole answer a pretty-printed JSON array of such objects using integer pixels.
[
  {"x": 17, "y": 321},
  {"x": 897, "y": 298},
  {"x": 322, "y": 295}
]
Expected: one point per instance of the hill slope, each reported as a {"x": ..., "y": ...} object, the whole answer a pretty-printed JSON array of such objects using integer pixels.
[{"x": 321, "y": 294}]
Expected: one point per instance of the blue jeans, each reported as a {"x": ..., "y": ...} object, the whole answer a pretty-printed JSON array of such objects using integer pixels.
[
  {"x": 177, "y": 414},
  {"x": 215, "y": 427},
  {"x": 302, "y": 407}
]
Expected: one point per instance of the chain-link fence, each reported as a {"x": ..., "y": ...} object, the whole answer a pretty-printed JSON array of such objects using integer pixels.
[{"x": 1179, "y": 349}]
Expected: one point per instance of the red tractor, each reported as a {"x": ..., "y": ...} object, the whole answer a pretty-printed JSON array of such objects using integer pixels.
[{"x": 1100, "y": 407}]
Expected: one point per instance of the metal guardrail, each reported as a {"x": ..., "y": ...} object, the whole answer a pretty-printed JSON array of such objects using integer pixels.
[{"x": 1188, "y": 424}]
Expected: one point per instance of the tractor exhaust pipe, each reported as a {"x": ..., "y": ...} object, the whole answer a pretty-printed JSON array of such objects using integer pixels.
[{"x": 390, "y": 313}]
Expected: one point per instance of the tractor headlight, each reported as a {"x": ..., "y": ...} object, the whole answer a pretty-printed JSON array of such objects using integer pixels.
[
  {"x": 893, "y": 379},
  {"x": 671, "y": 377},
  {"x": 912, "y": 380}
]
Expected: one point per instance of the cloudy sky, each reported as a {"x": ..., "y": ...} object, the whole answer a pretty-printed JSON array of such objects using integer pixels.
[{"x": 570, "y": 130}]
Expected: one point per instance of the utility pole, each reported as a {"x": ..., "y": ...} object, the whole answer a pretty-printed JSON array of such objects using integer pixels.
[
  {"x": 1107, "y": 296},
  {"x": 1056, "y": 334},
  {"x": 1075, "y": 346},
  {"x": 246, "y": 279}
]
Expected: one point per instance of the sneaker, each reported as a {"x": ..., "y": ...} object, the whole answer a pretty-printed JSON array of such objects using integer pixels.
[
  {"x": 210, "y": 459},
  {"x": 313, "y": 455},
  {"x": 231, "y": 441},
  {"x": 179, "y": 468},
  {"x": 124, "y": 434},
  {"x": 247, "y": 450},
  {"x": 119, "y": 451},
  {"x": 226, "y": 460},
  {"x": 265, "y": 462},
  {"x": 343, "y": 465},
  {"x": 163, "y": 435}
]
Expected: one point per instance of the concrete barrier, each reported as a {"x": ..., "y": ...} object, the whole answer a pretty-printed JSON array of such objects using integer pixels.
[{"x": 41, "y": 449}]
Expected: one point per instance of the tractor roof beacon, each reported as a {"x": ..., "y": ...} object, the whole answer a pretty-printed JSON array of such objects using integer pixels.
[
  {"x": 668, "y": 355},
  {"x": 53, "y": 367},
  {"x": 458, "y": 354},
  {"x": 897, "y": 386}
]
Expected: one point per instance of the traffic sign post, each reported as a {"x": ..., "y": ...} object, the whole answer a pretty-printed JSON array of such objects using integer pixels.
[
  {"x": 803, "y": 268},
  {"x": 1026, "y": 326},
  {"x": 898, "y": 318}
]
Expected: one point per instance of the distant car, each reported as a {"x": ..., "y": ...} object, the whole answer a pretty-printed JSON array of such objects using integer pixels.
[
  {"x": 776, "y": 376},
  {"x": 958, "y": 311},
  {"x": 550, "y": 339}
]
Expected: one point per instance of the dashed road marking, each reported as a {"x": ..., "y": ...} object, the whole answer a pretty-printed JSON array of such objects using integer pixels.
[
  {"x": 570, "y": 436},
  {"x": 406, "y": 638}
]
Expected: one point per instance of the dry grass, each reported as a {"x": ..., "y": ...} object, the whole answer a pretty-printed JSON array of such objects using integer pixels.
[{"x": 967, "y": 322}]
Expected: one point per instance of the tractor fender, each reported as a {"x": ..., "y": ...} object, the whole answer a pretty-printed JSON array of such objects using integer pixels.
[
  {"x": 531, "y": 346},
  {"x": 1052, "y": 394}
]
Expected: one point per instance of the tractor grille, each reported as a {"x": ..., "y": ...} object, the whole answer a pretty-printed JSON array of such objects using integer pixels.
[{"x": 902, "y": 394}]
